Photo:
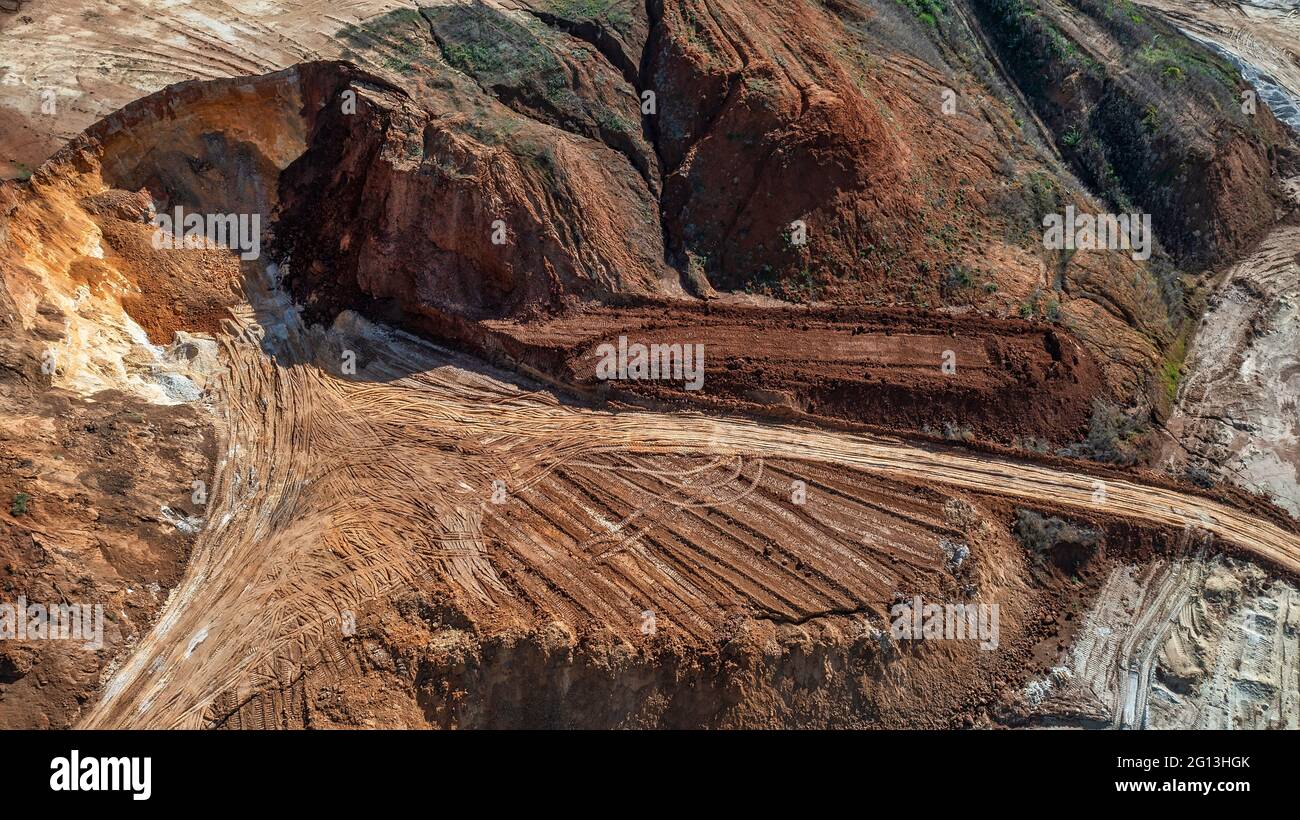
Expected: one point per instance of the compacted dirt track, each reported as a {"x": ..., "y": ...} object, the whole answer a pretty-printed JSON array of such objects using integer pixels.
[
  {"x": 335, "y": 488},
  {"x": 338, "y": 491}
]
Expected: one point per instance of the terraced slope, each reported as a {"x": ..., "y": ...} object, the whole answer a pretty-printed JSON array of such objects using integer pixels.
[
  {"x": 509, "y": 558},
  {"x": 1196, "y": 642}
]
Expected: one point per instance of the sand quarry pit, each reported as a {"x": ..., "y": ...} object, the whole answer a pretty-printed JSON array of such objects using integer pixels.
[
  {"x": 420, "y": 541},
  {"x": 399, "y": 533},
  {"x": 562, "y": 527}
]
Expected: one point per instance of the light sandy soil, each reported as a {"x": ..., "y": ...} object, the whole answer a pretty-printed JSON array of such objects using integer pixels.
[
  {"x": 336, "y": 489},
  {"x": 91, "y": 58},
  {"x": 1238, "y": 409},
  {"x": 1189, "y": 643},
  {"x": 1238, "y": 414},
  {"x": 316, "y": 480}
]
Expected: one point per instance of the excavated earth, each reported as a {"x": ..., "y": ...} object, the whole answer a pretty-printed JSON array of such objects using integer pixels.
[
  {"x": 464, "y": 527},
  {"x": 1193, "y": 641},
  {"x": 1007, "y": 379}
]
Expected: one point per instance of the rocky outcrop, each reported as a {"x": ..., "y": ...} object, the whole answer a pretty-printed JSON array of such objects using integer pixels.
[
  {"x": 505, "y": 160},
  {"x": 462, "y": 214}
]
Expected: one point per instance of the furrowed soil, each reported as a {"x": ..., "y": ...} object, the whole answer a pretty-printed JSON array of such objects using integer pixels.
[
  {"x": 423, "y": 540},
  {"x": 466, "y": 528}
]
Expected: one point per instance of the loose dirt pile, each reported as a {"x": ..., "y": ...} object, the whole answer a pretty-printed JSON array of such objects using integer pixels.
[{"x": 963, "y": 377}]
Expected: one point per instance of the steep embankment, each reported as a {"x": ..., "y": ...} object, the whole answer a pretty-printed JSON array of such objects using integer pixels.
[
  {"x": 107, "y": 443},
  {"x": 731, "y": 130},
  {"x": 755, "y": 106},
  {"x": 1260, "y": 37},
  {"x": 425, "y": 529},
  {"x": 1149, "y": 119},
  {"x": 423, "y": 541}
]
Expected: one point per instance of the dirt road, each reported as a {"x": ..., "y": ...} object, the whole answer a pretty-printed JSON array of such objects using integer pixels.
[{"x": 336, "y": 488}]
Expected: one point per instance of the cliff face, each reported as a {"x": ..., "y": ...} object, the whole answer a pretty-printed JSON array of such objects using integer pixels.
[
  {"x": 473, "y": 212},
  {"x": 855, "y": 152}
]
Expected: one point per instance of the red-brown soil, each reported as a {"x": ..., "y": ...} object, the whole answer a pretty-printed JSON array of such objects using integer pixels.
[
  {"x": 1009, "y": 379},
  {"x": 168, "y": 297},
  {"x": 369, "y": 492},
  {"x": 83, "y": 486}
]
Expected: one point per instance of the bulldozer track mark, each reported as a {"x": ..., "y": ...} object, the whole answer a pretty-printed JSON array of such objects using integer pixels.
[{"x": 335, "y": 491}]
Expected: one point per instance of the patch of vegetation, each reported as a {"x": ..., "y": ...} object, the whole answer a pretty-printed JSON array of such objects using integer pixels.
[
  {"x": 398, "y": 41},
  {"x": 1115, "y": 435},
  {"x": 1173, "y": 59},
  {"x": 496, "y": 50},
  {"x": 929, "y": 12},
  {"x": 493, "y": 130},
  {"x": 1151, "y": 117},
  {"x": 474, "y": 58},
  {"x": 1134, "y": 143},
  {"x": 1036, "y": 195},
  {"x": 612, "y": 120},
  {"x": 539, "y": 155},
  {"x": 1171, "y": 370},
  {"x": 695, "y": 29},
  {"x": 526, "y": 66},
  {"x": 1031, "y": 307},
  {"x": 609, "y": 11},
  {"x": 1053, "y": 310},
  {"x": 801, "y": 285},
  {"x": 957, "y": 278},
  {"x": 19, "y": 506},
  {"x": 1055, "y": 540}
]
